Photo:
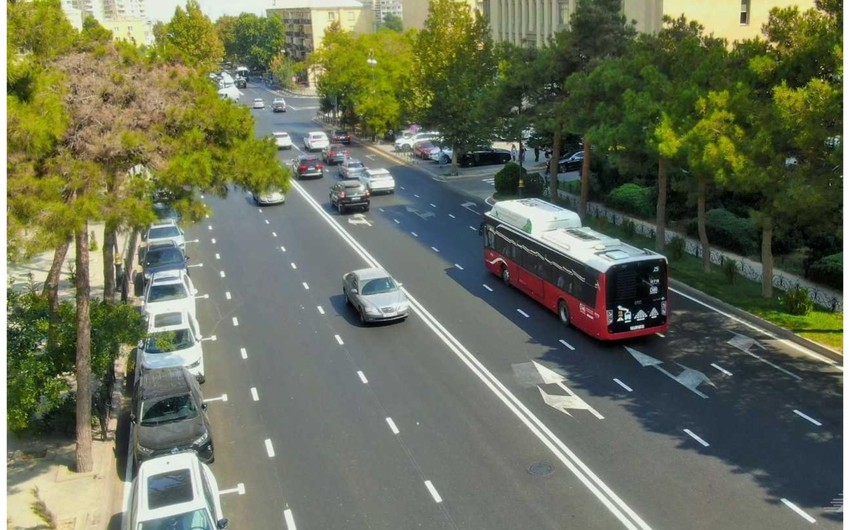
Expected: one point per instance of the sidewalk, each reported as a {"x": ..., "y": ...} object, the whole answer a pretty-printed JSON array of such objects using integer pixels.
[{"x": 74, "y": 501}]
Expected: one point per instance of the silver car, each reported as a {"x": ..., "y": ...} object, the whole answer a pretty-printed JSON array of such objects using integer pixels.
[
  {"x": 351, "y": 168},
  {"x": 165, "y": 230},
  {"x": 375, "y": 295}
]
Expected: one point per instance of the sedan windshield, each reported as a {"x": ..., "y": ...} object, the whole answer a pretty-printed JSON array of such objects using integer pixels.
[
  {"x": 197, "y": 520},
  {"x": 165, "y": 293},
  {"x": 164, "y": 256},
  {"x": 378, "y": 286},
  {"x": 163, "y": 232},
  {"x": 167, "y": 410},
  {"x": 168, "y": 341}
]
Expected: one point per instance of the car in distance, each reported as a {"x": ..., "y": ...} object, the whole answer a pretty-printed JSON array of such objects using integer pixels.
[
  {"x": 484, "y": 157},
  {"x": 571, "y": 163},
  {"x": 351, "y": 168},
  {"x": 423, "y": 149},
  {"x": 282, "y": 140},
  {"x": 258, "y": 103},
  {"x": 316, "y": 141},
  {"x": 174, "y": 339},
  {"x": 169, "y": 291},
  {"x": 278, "y": 105},
  {"x": 169, "y": 415},
  {"x": 378, "y": 180},
  {"x": 335, "y": 154},
  {"x": 375, "y": 295},
  {"x": 270, "y": 196},
  {"x": 163, "y": 256},
  {"x": 347, "y": 194},
  {"x": 308, "y": 165},
  {"x": 406, "y": 143},
  {"x": 340, "y": 136},
  {"x": 163, "y": 231},
  {"x": 175, "y": 491}
]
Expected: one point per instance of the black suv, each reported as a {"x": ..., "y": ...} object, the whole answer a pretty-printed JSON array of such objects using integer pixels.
[
  {"x": 347, "y": 194},
  {"x": 165, "y": 256},
  {"x": 308, "y": 166},
  {"x": 169, "y": 415}
]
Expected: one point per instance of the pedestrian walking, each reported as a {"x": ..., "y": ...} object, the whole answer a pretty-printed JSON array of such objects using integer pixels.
[
  {"x": 522, "y": 151},
  {"x": 513, "y": 152},
  {"x": 536, "y": 154}
]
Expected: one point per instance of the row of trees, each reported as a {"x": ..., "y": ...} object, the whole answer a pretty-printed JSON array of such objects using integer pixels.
[
  {"x": 96, "y": 129},
  {"x": 681, "y": 109}
]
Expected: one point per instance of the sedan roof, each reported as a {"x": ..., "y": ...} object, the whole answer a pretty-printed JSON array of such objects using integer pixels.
[{"x": 369, "y": 274}]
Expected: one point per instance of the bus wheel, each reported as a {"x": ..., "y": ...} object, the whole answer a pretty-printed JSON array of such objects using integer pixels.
[
  {"x": 564, "y": 313},
  {"x": 506, "y": 275}
]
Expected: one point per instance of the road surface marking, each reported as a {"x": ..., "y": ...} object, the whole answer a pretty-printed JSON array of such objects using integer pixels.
[
  {"x": 391, "y": 423},
  {"x": 396, "y": 221},
  {"x": 290, "y": 521},
  {"x": 417, "y": 196},
  {"x": 254, "y": 394},
  {"x": 267, "y": 221},
  {"x": 213, "y": 241},
  {"x": 402, "y": 187},
  {"x": 473, "y": 228},
  {"x": 240, "y": 489},
  {"x": 244, "y": 353},
  {"x": 414, "y": 234},
  {"x": 282, "y": 249},
  {"x": 523, "y": 313},
  {"x": 435, "y": 249},
  {"x": 567, "y": 344},
  {"x": 321, "y": 311},
  {"x": 274, "y": 234},
  {"x": 487, "y": 287},
  {"x": 293, "y": 265},
  {"x": 209, "y": 227},
  {"x": 433, "y": 491},
  {"x": 363, "y": 377},
  {"x": 338, "y": 339},
  {"x": 235, "y": 321},
  {"x": 269, "y": 448},
  {"x": 622, "y": 384},
  {"x": 800, "y": 512},
  {"x": 221, "y": 273},
  {"x": 380, "y": 209},
  {"x": 222, "y": 398},
  {"x": 433, "y": 205},
  {"x": 458, "y": 266},
  {"x": 452, "y": 216},
  {"x": 217, "y": 255},
  {"x": 306, "y": 287},
  {"x": 695, "y": 437},
  {"x": 809, "y": 418},
  {"x": 227, "y": 294},
  {"x": 660, "y": 335},
  {"x": 727, "y": 372}
]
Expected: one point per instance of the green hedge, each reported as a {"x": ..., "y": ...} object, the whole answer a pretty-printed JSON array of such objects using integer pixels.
[
  {"x": 728, "y": 231},
  {"x": 632, "y": 199},
  {"x": 829, "y": 271},
  {"x": 507, "y": 179},
  {"x": 534, "y": 184}
]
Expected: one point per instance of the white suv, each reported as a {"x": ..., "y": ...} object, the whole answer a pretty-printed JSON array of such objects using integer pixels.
[
  {"x": 378, "y": 180},
  {"x": 175, "y": 491},
  {"x": 169, "y": 291},
  {"x": 174, "y": 339},
  {"x": 406, "y": 144},
  {"x": 316, "y": 141},
  {"x": 165, "y": 230}
]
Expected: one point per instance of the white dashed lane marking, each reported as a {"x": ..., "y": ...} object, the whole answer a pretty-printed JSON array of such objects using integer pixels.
[
  {"x": 213, "y": 241},
  {"x": 227, "y": 294},
  {"x": 254, "y": 394},
  {"x": 338, "y": 339},
  {"x": 267, "y": 221},
  {"x": 235, "y": 321},
  {"x": 567, "y": 344},
  {"x": 293, "y": 266},
  {"x": 217, "y": 255},
  {"x": 435, "y": 249},
  {"x": 283, "y": 249},
  {"x": 487, "y": 287},
  {"x": 808, "y": 418},
  {"x": 798, "y": 511},
  {"x": 321, "y": 311},
  {"x": 306, "y": 287},
  {"x": 622, "y": 384},
  {"x": 433, "y": 491},
  {"x": 274, "y": 234},
  {"x": 695, "y": 437},
  {"x": 362, "y": 377},
  {"x": 221, "y": 273},
  {"x": 523, "y": 313},
  {"x": 414, "y": 234},
  {"x": 290, "y": 521},
  {"x": 393, "y": 428},
  {"x": 269, "y": 448},
  {"x": 727, "y": 372},
  {"x": 452, "y": 216},
  {"x": 458, "y": 266},
  {"x": 243, "y": 352}
]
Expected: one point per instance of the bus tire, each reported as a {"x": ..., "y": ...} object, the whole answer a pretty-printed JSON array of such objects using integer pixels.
[
  {"x": 506, "y": 275},
  {"x": 563, "y": 312}
]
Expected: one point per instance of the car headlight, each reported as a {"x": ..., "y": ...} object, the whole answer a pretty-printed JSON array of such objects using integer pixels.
[
  {"x": 372, "y": 310},
  {"x": 144, "y": 451},
  {"x": 202, "y": 440},
  {"x": 403, "y": 306}
]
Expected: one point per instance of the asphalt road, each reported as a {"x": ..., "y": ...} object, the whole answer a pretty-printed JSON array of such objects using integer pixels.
[{"x": 442, "y": 421}]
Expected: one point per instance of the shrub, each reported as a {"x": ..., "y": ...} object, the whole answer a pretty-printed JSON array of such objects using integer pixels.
[
  {"x": 534, "y": 184},
  {"x": 728, "y": 231},
  {"x": 676, "y": 248},
  {"x": 730, "y": 270},
  {"x": 829, "y": 271},
  {"x": 633, "y": 199},
  {"x": 507, "y": 179},
  {"x": 797, "y": 301},
  {"x": 629, "y": 229}
]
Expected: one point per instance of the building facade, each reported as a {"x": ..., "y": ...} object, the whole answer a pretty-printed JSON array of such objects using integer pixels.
[
  {"x": 382, "y": 8},
  {"x": 126, "y": 19},
  {"x": 731, "y": 19}
]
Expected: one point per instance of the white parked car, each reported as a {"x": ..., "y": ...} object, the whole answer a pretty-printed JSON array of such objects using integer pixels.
[
  {"x": 316, "y": 141},
  {"x": 259, "y": 104},
  {"x": 163, "y": 231},
  {"x": 406, "y": 144},
  {"x": 282, "y": 139},
  {"x": 169, "y": 291},
  {"x": 175, "y": 491},
  {"x": 174, "y": 339},
  {"x": 378, "y": 181}
]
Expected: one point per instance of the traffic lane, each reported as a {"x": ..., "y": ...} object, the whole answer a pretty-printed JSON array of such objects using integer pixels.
[{"x": 329, "y": 449}]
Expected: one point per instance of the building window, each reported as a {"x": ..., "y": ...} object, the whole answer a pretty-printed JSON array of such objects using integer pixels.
[
  {"x": 331, "y": 16},
  {"x": 745, "y": 12},
  {"x": 564, "y": 13},
  {"x": 351, "y": 16}
]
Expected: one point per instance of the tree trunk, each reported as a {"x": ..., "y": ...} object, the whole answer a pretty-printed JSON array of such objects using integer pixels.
[
  {"x": 109, "y": 243},
  {"x": 51, "y": 290},
  {"x": 767, "y": 257},
  {"x": 661, "y": 207},
  {"x": 703, "y": 235},
  {"x": 553, "y": 166},
  {"x": 83, "y": 365},
  {"x": 129, "y": 259},
  {"x": 585, "y": 180}
]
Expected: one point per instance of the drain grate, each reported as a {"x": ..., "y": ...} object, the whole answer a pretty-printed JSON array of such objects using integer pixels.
[{"x": 540, "y": 469}]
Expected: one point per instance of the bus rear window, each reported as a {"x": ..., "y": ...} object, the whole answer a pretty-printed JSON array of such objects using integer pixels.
[{"x": 631, "y": 282}]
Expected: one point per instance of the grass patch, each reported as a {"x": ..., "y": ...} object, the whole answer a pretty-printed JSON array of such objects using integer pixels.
[{"x": 820, "y": 326}]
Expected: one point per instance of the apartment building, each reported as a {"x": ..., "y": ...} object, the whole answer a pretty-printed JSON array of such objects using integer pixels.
[
  {"x": 731, "y": 19},
  {"x": 382, "y": 8},
  {"x": 126, "y": 19}
]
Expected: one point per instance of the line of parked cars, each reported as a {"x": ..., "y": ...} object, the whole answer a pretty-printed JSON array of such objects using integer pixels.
[
  {"x": 171, "y": 437},
  {"x": 427, "y": 146}
]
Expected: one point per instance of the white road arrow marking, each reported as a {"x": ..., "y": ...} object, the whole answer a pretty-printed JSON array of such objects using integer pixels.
[
  {"x": 222, "y": 397},
  {"x": 744, "y": 343},
  {"x": 211, "y": 337},
  {"x": 414, "y": 211},
  {"x": 194, "y": 265},
  {"x": 359, "y": 219},
  {"x": 689, "y": 378},
  {"x": 562, "y": 403},
  {"x": 240, "y": 489},
  {"x": 470, "y": 206}
]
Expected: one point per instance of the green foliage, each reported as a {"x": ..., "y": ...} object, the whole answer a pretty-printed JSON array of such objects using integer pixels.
[
  {"x": 629, "y": 228},
  {"x": 534, "y": 184},
  {"x": 633, "y": 199},
  {"x": 729, "y": 268},
  {"x": 829, "y": 270},
  {"x": 250, "y": 39},
  {"x": 797, "y": 301},
  {"x": 93, "y": 33},
  {"x": 729, "y": 231},
  {"x": 676, "y": 248},
  {"x": 507, "y": 179},
  {"x": 190, "y": 38},
  {"x": 392, "y": 23}
]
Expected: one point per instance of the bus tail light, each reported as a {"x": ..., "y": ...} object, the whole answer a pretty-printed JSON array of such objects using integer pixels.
[{"x": 664, "y": 307}]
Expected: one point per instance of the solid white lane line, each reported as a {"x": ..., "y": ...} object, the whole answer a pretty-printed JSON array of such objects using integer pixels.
[
  {"x": 362, "y": 377},
  {"x": 487, "y": 287},
  {"x": 227, "y": 294},
  {"x": 267, "y": 221},
  {"x": 274, "y": 234},
  {"x": 397, "y": 221},
  {"x": 306, "y": 287},
  {"x": 727, "y": 372},
  {"x": 282, "y": 248},
  {"x": 393, "y": 428},
  {"x": 622, "y": 384},
  {"x": 290, "y": 521},
  {"x": 414, "y": 234},
  {"x": 458, "y": 266},
  {"x": 338, "y": 339},
  {"x": 243, "y": 352},
  {"x": 269, "y": 448},
  {"x": 254, "y": 394},
  {"x": 321, "y": 311},
  {"x": 217, "y": 255},
  {"x": 435, "y": 249},
  {"x": 433, "y": 205},
  {"x": 523, "y": 313},
  {"x": 567, "y": 344},
  {"x": 235, "y": 321},
  {"x": 809, "y": 418},
  {"x": 695, "y": 437},
  {"x": 221, "y": 273},
  {"x": 293, "y": 266},
  {"x": 799, "y": 512},
  {"x": 452, "y": 216},
  {"x": 433, "y": 491},
  {"x": 213, "y": 241}
]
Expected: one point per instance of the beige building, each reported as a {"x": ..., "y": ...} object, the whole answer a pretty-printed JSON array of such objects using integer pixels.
[
  {"x": 730, "y": 19},
  {"x": 414, "y": 12},
  {"x": 130, "y": 29}
]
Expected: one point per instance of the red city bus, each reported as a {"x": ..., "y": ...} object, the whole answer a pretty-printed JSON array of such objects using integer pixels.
[{"x": 604, "y": 287}]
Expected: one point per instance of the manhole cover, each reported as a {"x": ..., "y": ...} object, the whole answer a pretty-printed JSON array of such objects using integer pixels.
[{"x": 540, "y": 469}]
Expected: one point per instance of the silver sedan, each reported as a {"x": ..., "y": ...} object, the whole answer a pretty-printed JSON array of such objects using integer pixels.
[{"x": 375, "y": 295}]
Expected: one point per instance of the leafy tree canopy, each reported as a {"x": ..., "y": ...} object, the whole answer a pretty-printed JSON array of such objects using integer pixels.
[{"x": 190, "y": 38}]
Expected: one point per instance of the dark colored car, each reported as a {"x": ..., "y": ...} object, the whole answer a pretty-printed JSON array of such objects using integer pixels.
[
  {"x": 347, "y": 194},
  {"x": 341, "y": 137},
  {"x": 165, "y": 256},
  {"x": 169, "y": 415},
  {"x": 484, "y": 157},
  {"x": 571, "y": 163},
  {"x": 241, "y": 82},
  {"x": 308, "y": 166},
  {"x": 335, "y": 154}
]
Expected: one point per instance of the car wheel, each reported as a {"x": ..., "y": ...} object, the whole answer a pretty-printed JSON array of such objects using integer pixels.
[
  {"x": 341, "y": 208},
  {"x": 564, "y": 313},
  {"x": 202, "y": 379},
  {"x": 506, "y": 275}
]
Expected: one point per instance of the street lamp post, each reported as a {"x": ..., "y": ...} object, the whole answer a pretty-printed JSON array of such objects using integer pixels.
[{"x": 372, "y": 62}]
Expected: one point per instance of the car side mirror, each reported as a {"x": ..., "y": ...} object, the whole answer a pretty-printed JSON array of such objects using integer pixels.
[
  {"x": 221, "y": 524},
  {"x": 133, "y": 419}
]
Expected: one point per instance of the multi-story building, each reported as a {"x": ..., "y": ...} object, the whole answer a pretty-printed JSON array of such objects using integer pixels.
[
  {"x": 414, "y": 12},
  {"x": 731, "y": 19},
  {"x": 126, "y": 19},
  {"x": 382, "y": 8}
]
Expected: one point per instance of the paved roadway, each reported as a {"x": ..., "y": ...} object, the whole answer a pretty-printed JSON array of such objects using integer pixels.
[{"x": 440, "y": 421}]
